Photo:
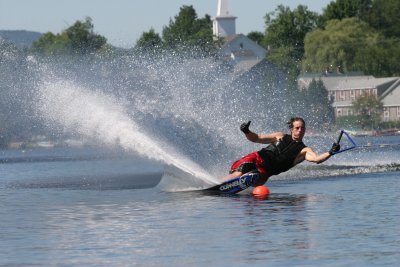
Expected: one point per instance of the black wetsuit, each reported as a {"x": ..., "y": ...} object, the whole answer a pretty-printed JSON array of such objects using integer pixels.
[{"x": 279, "y": 157}]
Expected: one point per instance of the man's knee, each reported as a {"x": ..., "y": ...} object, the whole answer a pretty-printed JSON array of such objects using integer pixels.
[{"x": 247, "y": 167}]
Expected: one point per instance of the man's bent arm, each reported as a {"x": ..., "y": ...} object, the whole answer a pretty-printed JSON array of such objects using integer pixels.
[
  {"x": 311, "y": 156},
  {"x": 264, "y": 138}
]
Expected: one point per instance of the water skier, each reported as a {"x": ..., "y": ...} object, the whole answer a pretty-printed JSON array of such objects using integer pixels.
[{"x": 283, "y": 152}]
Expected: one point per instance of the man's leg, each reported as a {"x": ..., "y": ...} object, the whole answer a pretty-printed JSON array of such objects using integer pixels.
[{"x": 239, "y": 168}]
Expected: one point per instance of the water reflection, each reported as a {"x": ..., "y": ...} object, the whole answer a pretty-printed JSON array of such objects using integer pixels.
[{"x": 275, "y": 225}]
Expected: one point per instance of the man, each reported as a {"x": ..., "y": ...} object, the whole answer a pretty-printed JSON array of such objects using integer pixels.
[{"x": 283, "y": 152}]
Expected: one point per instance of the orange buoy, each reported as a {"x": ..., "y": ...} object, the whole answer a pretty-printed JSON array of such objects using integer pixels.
[{"x": 261, "y": 191}]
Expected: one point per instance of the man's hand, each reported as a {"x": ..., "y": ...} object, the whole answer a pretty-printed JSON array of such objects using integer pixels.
[
  {"x": 335, "y": 148},
  {"x": 245, "y": 127}
]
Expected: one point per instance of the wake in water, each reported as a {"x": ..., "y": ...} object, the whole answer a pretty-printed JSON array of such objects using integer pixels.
[{"x": 323, "y": 171}]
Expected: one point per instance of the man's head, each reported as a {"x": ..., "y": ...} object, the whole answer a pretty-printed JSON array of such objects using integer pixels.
[{"x": 297, "y": 128}]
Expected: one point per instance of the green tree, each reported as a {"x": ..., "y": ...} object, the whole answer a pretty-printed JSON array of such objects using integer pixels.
[
  {"x": 78, "y": 39},
  {"x": 149, "y": 41},
  {"x": 381, "y": 59},
  {"x": 256, "y": 36},
  {"x": 369, "y": 109},
  {"x": 342, "y": 43},
  {"x": 384, "y": 17},
  {"x": 385, "y": 57},
  {"x": 341, "y": 9},
  {"x": 51, "y": 44},
  {"x": 187, "y": 31},
  {"x": 182, "y": 28},
  {"x": 284, "y": 35},
  {"x": 204, "y": 34},
  {"x": 318, "y": 104},
  {"x": 82, "y": 39}
]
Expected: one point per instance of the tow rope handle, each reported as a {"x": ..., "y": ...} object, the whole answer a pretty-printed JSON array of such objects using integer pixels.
[{"x": 353, "y": 144}]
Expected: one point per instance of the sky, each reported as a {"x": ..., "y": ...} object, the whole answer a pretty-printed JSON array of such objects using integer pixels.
[{"x": 122, "y": 22}]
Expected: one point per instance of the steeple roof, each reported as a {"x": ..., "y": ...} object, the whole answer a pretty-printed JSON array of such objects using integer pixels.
[
  {"x": 223, "y": 9},
  {"x": 224, "y": 22}
]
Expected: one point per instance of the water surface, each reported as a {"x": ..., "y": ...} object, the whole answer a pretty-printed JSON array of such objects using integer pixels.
[{"x": 346, "y": 220}]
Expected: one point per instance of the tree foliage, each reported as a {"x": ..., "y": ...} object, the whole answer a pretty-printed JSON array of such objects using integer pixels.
[
  {"x": 285, "y": 32},
  {"x": 256, "y": 36},
  {"x": 341, "y": 9},
  {"x": 51, "y": 44},
  {"x": 384, "y": 17},
  {"x": 78, "y": 39},
  {"x": 344, "y": 43},
  {"x": 368, "y": 108},
  {"x": 149, "y": 41},
  {"x": 82, "y": 38},
  {"x": 317, "y": 104},
  {"x": 186, "y": 30},
  {"x": 381, "y": 58},
  {"x": 354, "y": 46}
]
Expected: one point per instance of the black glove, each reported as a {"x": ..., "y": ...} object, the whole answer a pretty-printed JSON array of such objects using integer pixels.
[
  {"x": 335, "y": 148},
  {"x": 245, "y": 127}
]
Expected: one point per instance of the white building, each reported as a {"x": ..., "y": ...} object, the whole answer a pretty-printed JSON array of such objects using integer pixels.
[
  {"x": 238, "y": 50},
  {"x": 224, "y": 23}
]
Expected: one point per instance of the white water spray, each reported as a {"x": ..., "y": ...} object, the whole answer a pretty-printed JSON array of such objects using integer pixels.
[
  {"x": 99, "y": 117},
  {"x": 184, "y": 113}
]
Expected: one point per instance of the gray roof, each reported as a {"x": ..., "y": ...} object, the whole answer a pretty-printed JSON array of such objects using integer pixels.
[
  {"x": 244, "y": 58},
  {"x": 391, "y": 97},
  {"x": 344, "y": 82},
  {"x": 387, "y": 87}
]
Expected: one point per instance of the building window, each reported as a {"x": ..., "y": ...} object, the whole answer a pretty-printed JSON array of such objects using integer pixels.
[
  {"x": 342, "y": 96},
  {"x": 398, "y": 112},
  {"x": 365, "y": 92},
  {"x": 339, "y": 112},
  {"x": 352, "y": 95},
  {"x": 386, "y": 114}
]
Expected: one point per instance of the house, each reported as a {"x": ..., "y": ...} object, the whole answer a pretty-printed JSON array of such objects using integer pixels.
[
  {"x": 347, "y": 87},
  {"x": 238, "y": 50},
  {"x": 391, "y": 102},
  {"x": 255, "y": 79}
]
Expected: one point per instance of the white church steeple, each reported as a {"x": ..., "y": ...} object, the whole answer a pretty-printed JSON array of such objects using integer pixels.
[{"x": 224, "y": 22}]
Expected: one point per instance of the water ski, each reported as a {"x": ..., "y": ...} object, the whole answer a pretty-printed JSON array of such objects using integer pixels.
[{"x": 235, "y": 185}]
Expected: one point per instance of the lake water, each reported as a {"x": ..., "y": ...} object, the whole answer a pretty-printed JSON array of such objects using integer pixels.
[
  {"x": 81, "y": 207},
  {"x": 159, "y": 127}
]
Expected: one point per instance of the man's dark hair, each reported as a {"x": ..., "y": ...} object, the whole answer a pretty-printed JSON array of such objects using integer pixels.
[{"x": 292, "y": 120}]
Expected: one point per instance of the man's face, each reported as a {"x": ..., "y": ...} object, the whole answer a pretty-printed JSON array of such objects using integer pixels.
[{"x": 298, "y": 130}]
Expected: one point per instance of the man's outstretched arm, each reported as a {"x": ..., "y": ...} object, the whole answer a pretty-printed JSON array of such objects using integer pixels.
[{"x": 311, "y": 156}]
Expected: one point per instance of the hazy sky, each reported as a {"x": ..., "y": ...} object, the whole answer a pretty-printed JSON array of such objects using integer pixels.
[{"x": 123, "y": 21}]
